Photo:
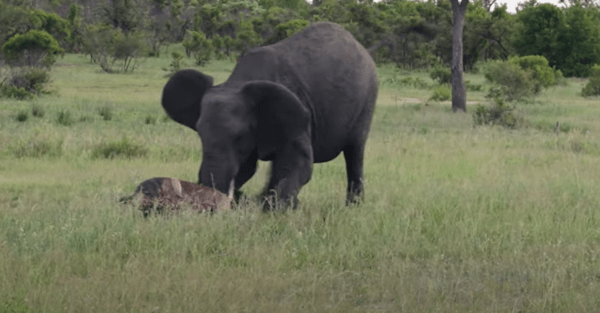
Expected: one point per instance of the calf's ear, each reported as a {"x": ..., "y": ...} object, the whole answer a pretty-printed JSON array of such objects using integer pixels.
[
  {"x": 176, "y": 184},
  {"x": 182, "y": 96}
]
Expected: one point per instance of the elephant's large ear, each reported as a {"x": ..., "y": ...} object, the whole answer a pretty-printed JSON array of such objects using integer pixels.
[
  {"x": 183, "y": 94},
  {"x": 281, "y": 116}
]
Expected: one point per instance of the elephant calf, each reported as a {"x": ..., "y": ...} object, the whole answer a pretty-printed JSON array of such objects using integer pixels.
[{"x": 162, "y": 192}]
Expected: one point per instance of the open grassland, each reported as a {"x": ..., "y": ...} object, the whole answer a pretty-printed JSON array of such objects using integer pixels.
[{"x": 456, "y": 218}]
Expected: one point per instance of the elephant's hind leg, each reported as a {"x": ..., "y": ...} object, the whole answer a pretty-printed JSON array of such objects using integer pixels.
[{"x": 354, "y": 154}]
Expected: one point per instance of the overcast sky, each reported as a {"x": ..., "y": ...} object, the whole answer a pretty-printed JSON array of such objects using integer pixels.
[{"x": 512, "y": 4}]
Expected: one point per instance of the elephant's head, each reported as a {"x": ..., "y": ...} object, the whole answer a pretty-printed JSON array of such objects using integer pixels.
[{"x": 236, "y": 120}]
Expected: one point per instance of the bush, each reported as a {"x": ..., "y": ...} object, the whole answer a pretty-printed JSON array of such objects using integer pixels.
[
  {"x": 511, "y": 82},
  {"x": 36, "y": 48},
  {"x": 32, "y": 79},
  {"x": 521, "y": 77},
  {"x": 543, "y": 75},
  {"x": 22, "y": 116},
  {"x": 65, "y": 118},
  {"x": 175, "y": 65},
  {"x": 497, "y": 114},
  {"x": 246, "y": 37},
  {"x": 441, "y": 74},
  {"x": 196, "y": 45},
  {"x": 108, "y": 46},
  {"x": 441, "y": 93},
  {"x": 287, "y": 29},
  {"x": 129, "y": 49},
  {"x": 23, "y": 82},
  {"x": 14, "y": 92},
  {"x": 118, "y": 149},
  {"x": 592, "y": 88}
]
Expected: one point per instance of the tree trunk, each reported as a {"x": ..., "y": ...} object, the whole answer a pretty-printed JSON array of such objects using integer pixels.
[{"x": 459, "y": 91}]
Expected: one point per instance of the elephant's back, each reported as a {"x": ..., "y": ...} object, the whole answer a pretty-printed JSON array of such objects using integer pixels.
[
  {"x": 330, "y": 72},
  {"x": 336, "y": 76},
  {"x": 322, "y": 51}
]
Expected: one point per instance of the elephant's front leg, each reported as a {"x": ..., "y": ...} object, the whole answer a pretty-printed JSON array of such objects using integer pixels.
[
  {"x": 246, "y": 171},
  {"x": 291, "y": 169}
]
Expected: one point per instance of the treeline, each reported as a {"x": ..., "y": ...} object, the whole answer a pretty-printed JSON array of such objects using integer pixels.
[{"x": 410, "y": 34}]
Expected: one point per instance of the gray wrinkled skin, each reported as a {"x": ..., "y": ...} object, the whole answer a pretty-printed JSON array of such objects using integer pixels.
[
  {"x": 161, "y": 193},
  {"x": 300, "y": 101}
]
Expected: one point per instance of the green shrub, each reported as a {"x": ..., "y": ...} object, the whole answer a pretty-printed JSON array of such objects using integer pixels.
[
  {"x": 498, "y": 113},
  {"x": 22, "y": 116},
  {"x": 175, "y": 65},
  {"x": 197, "y": 45},
  {"x": 31, "y": 79},
  {"x": 473, "y": 87},
  {"x": 25, "y": 82},
  {"x": 510, "y": 81},
  {"x": 106, "y": 112},
  {"x": 543, "y": 75},
  {"x": 119, "y": 149},
  {"x": 246, "y": 37},
  {"x": 65, "y": 118},
  {"x": 36, "y": 48},
  {"x": 521, "y": 77},
  {"x": 14, "y": 92},
  {"x": 560, "y": 78},
  {"x": 441, "y": 93},
  {"x": 37, "y": 110},
  {"x": 592, "y": 88},
  {"x": 129, "y": 49},
  {"x": 287, "y": 29},
  {"x": 108, "y": 46},
  {"x": 441, "y": 75}
]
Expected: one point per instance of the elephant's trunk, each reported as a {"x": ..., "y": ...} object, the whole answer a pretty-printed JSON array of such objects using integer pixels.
[{"x": 216, "y": 177}]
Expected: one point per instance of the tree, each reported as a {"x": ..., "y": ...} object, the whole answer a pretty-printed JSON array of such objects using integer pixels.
[
  {"x": 126, "y": 15},
  {"x": 539, "y": 34},
  {"x": 487, "y": 4},
  {"x": 568, "y": 38},
  {"x": 287, "y": 29},
  {"x": 459, "y": 90},
  {"x": 579, "y": 42},
  {"x": 583, "y": 3}
]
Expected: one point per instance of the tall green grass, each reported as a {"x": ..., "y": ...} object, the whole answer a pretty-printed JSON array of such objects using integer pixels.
[{"x": 456, "y": 218}]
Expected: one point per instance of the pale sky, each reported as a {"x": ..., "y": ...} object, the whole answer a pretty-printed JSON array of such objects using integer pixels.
[{"x": 512, "y": 4}]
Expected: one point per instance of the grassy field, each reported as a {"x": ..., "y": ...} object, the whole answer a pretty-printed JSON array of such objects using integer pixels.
[{"x": 456, "y": 218}]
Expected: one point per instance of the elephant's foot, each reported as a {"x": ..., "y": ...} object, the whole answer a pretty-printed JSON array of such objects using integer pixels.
[
  {"x": 355, "y": 192},
  {"x": 237, "y": 195},
  {"x": 354, "y": 199},
  {"x": 273, "y": 203}
]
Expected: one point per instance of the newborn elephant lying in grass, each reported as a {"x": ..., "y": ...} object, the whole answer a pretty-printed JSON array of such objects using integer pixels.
[{"x": 160, "y": 193}]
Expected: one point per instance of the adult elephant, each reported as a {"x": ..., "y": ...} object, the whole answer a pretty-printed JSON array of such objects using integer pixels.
[{"x": 297, "y": 102}]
